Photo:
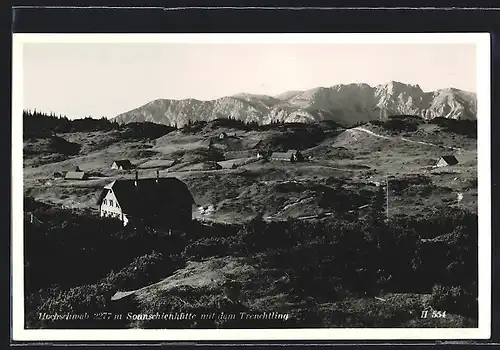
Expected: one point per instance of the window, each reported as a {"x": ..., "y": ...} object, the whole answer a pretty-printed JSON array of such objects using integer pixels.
[
  {"x": 105, "y": 201},
  {"x": 111, "y": 202},
  {"x": 117, "y": 205}
]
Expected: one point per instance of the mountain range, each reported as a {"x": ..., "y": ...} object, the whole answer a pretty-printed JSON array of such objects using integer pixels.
[{"x": 346, "y": 104}]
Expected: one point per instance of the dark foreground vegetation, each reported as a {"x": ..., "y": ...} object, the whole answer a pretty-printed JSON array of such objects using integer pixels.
[{"x": 75, "y": 262}]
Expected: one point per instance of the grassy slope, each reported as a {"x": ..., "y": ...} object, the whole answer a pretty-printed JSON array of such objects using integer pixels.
[
  {"x": 265, "y": 289},
  {"x": 241, "y": 193},
  {"x": 347, "y": 163}
]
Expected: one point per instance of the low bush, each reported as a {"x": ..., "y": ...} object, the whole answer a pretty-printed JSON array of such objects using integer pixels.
[
  {"x": 192, "y": 127},
  {"x": 462, "y": 127},
  {"x": 292, "y": 139},
  {"x": 454, "y": 299},
  {"x": 207, "y": 247},
  {"x": 143, "y": 270},
  {"x": 324, "y": 260}
]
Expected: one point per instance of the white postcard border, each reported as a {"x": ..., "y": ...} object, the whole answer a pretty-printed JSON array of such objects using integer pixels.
[{"x": 482, "y": 42}]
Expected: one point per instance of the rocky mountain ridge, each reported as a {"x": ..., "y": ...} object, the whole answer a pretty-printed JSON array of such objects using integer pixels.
[{"x": 347, "y": 104}]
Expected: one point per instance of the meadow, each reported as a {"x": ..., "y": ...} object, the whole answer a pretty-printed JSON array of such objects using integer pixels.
[{"x": 323, "y": 240}]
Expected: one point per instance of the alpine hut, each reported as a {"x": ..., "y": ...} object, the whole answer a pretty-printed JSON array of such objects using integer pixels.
[
  {"x": 123, "y": 164},
  {"x": 166, "y": 201},
  {"x": 76, "y": 175},
  {"x": 446, "y": 161}
]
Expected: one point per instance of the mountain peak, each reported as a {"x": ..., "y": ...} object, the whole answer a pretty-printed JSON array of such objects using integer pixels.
[
  {"x": 346, "y": 104},
  {"x": 396, "y": 87}
]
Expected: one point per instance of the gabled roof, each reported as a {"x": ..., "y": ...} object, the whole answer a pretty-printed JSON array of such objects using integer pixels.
[
  {"x": 75, "y": 175},
  {"x": 125, "y": 163},
  {"x": 148, "y": 195},
  {"x": 451, "y": 160}
]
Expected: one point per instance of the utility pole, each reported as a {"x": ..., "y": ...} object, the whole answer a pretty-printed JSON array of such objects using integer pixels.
[{"x": 387, "y": 196}]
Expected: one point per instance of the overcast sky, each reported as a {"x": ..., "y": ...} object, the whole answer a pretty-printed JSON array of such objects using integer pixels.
[{"x": 96, "y": 80}]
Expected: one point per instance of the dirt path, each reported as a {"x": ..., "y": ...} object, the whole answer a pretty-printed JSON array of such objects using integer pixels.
[
  {"x": 358, "y": 128},
  {"x": 370, "y": 132},
  {"x": 430, "y": 144}
]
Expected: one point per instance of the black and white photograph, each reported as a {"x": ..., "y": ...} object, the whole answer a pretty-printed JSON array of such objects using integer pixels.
[{"x": 266, "y": 186}]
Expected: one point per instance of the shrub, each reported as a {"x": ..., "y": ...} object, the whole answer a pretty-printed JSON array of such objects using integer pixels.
[
  {"x": 229, "y": 123},
  {"x": 142, "y": 270},
  {"x": 145, "y": 130},
  {"x": 208, "y": 247},
  {"x": 60, "y": 145},
  {"x": 323, "y": 260},
  {"x": 298, "y": 137},
  {"x": 193, "y": 126},
  {"x": 87, "y": 300},
  {"x": 83, "y": 242},
  {"x": 454, "y": 299},
  {"x": 462, "y": 127}
]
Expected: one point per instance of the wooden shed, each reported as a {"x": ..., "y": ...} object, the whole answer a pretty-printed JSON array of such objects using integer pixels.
[
  {"x": 446, "y": 161},
  {"x": 122, "y": 164},
  {"x": 76, "y": 175}
]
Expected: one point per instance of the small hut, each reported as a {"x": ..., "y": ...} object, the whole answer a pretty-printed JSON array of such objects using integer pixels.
[
  {"x": 286, "y": 156},
  {"x": 76, "y": 175},
  {"x": 291, "y": 156},
  {"x": 123, "y": 164},
  {"x": 447, "y": 161}
]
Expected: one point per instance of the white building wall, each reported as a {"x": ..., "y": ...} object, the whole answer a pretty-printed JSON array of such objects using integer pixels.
[
  {"x": 110, "y": 206},
  {"x": 441, "y": 163}
]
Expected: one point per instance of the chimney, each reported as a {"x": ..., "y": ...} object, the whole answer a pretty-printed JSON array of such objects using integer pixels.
[
  {"x": 157, "y": 175},
  {"x": 136, "y": 178}
]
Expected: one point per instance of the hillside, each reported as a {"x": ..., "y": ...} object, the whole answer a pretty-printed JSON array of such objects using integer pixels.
[
  {"x": 308, "y": 238},
  {"x": 227, "y": 175},
  {"x": 337, "y": 273},
  {"x": 345, "y": 104}
]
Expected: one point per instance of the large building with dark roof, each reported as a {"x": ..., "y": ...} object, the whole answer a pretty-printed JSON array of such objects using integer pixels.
[{"x": 166, "y": 201}]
